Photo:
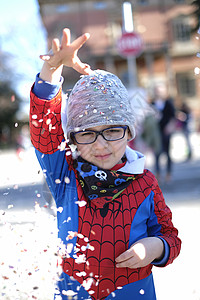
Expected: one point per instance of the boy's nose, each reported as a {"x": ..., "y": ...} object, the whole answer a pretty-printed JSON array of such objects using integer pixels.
[{"x": 100, "y": 142}]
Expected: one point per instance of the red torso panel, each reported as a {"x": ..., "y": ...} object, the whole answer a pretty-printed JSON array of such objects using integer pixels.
[{"x": 101, "y": 239}]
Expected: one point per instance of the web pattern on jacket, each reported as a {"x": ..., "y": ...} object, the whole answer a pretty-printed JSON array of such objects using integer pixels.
[
  {"x": 108, "y": 237},
  {"x": 45, "y": 124}
]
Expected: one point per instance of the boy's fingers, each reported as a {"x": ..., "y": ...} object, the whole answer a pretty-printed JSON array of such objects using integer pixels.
[
  {"x": 124, "y": 256},
  {"x": 78, "y": 43},
  {"x": 66, "y": 37},
  {"x": 128, "y": 264},
  {"x": 82, "y": 68},
  {"x": 55, "y": 45}
]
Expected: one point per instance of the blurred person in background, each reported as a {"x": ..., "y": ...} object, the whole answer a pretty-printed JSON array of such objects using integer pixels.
[
  {"x": 167, "y": 125},
  {"x": 184, "y": 118},
  {"x": 151, "y": 132}
]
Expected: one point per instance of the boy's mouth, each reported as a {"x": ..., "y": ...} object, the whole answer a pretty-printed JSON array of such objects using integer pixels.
[{"x": 102, "y": 156}]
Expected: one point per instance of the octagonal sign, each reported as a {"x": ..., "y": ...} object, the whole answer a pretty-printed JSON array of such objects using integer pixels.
[{"x": 130, "y": 44}]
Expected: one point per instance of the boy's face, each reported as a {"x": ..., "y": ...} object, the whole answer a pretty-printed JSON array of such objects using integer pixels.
[{"x": 102, "y": 153}]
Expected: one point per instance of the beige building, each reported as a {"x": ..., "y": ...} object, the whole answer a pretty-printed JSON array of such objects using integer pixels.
[{"x": 169, "y": 49}]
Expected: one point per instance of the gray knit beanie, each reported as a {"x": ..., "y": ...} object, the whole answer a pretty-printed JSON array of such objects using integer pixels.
[{"x": 99, "y": 99}]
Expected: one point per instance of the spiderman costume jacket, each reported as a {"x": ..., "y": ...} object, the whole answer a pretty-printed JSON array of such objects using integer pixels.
[{"x": 96, "y": 229}]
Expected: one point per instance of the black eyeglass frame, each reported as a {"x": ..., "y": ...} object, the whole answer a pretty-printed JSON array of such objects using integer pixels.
[{"x": 73, "y": 134}]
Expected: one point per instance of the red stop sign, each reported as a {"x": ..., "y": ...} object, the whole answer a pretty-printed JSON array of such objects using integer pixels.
[{"x": 130, "y": 44}]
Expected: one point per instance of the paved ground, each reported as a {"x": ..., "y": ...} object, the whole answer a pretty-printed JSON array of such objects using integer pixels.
[
  {"x": 181, "y": 279},
  {"x": 28, "y": 231}
]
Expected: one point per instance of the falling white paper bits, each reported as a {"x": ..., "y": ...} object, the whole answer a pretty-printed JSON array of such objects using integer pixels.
[
  {"x": 81, "y": 203},
  {"x": 197, "y": 71}
]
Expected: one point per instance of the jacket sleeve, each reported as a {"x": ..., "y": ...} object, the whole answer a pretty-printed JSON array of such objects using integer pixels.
[
  {"x": 52, "y": 151},
  {"x": 45, "y": 123},
  {"x": 168, "y": 233}
]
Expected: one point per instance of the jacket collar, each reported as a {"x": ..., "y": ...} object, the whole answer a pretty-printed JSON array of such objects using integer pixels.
[{"x": 135, "y": 162}]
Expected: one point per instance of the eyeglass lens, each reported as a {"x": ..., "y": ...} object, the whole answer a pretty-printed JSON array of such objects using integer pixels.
[{"x": 109, "y": 134}]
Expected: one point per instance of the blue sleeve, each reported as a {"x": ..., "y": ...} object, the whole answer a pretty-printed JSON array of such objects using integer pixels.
[
  {"x": 56, "y": 171},
  {"x": 44, "y": 89},
  {"x": 145, "y": 224},
  {"x": 163, "y": 261}
]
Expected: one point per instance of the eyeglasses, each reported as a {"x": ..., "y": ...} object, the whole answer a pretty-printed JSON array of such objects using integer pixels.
[{"x": 90, "y": 136}]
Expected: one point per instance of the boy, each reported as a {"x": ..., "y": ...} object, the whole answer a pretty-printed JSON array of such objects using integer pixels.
[{"x": 112, "y": 217}]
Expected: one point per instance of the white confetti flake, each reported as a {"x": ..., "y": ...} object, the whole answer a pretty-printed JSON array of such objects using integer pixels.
[
  {"x": 37, "y": 207},
  {"x": 80, "y": 259},
  {"x": 57, "y": 181},
  {"x": 34, "y": 117},
  {"x": 69, "y": 248},
  {"x": 84, "y": 248},
  {"x": 68, "y": 153},
  {"x": 80, "y": 235},
  {"x": 62, "y": 146},
  {"x": 67, "y": 180},
  {"x": 197, "y": 70},
  {"x": 71, "y": 235},
  {"x": 81, "y": 203},
  {"x": 91, "y": 292},
  {"x": 35, "y": 123},
  {"x": 142, "y": 292},
  {"x": 87, "y": 283},
  {"x": 68, "y": 219},
  {"x": 91, "y": 248},
  {"x": 60, "y": 209},
  {"x": 69, "y": 293},
  {"x": 50, "y": 127},
  {"x": 80, "y": 274},
  {"x": 48, "y": 121}
]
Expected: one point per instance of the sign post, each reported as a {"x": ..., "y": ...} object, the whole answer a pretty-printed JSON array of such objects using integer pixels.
[{"x": 130, "y": 44}]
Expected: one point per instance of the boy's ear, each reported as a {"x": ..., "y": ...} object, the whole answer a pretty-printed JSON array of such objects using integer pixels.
[{"x": 129, "y": 135}]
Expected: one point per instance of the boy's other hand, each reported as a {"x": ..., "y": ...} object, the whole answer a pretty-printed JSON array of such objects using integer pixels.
[{"x": 141, "y": 254}]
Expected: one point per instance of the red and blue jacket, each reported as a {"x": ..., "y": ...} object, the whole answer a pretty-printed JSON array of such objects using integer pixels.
[{"x": 93, "y": 241}]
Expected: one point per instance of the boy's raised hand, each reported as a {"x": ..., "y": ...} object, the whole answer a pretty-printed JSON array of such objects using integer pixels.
[{"x": 66, "y": 53}]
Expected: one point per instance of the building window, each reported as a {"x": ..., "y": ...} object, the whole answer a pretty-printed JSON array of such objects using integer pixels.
[
  {"x": 143, "y": 2},
  {"x": 62, "y": 8},
  {"x": 100, "y": 5},
  {"x": 179, "y": 1},
  {"x": 181, "y": 29},
  {"x": 186, "y": 85}
]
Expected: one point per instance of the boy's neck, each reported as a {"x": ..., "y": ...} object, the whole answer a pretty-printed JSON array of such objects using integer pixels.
[{"x": 118, "y": 166}]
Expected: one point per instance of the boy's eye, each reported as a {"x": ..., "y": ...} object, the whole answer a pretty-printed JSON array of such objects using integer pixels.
[
  {"x": 113, "y": 130},
  {"x": 86, "y": 133}
]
